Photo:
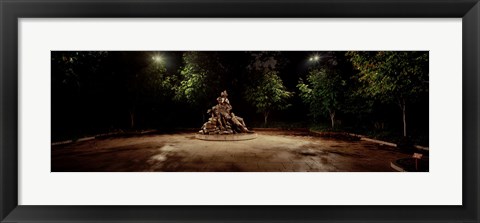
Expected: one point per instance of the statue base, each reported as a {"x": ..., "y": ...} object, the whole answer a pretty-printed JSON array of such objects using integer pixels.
[{"x": 226, "y": 137}]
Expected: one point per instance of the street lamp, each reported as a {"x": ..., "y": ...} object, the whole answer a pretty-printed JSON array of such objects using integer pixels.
[
  {"x": 157, "y": 59},
  {"x": 314, "y": 58}
]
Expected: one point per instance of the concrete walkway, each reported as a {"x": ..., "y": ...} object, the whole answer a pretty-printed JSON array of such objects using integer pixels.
[{"x": 272, "y": 151}]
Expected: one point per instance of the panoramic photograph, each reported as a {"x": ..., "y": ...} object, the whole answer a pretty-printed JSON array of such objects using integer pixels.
[{"x": 239, "y": 111}]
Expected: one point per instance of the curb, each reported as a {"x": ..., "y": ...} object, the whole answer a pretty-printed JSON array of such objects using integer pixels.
[
  {"x": 421, "y": 147},
  {"x": 386, "y": 143},
  {"x": 62, "y": 142},
  {"x": 97, "y": 136},
  {"x": 379, "y": 142},
  {"x": 332, "y": 133},
  {"x": 148, "y": 131},
  {"x": 396, "y": 167},
  {"x": 364, "y": 138},
  {"x": 86, "y": 139}
]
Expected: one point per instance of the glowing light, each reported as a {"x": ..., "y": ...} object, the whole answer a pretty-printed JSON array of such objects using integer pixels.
[
  {"x": 314, "y": 58},
  {"x": 157, "y": 59}
]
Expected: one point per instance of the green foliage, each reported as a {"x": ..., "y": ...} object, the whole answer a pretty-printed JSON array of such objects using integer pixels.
[
  {"x": 69, "y": 67},
  {"x": 323, "y": 92},
  {"x": 155, "y": 82},
  {"x": 270, "y": 93},
  {"x": 328, "y": 86},
  {"x": 266, "y": 91},
  {"x": 200, "y": 78},
  {"x": 391, "y": 75}
]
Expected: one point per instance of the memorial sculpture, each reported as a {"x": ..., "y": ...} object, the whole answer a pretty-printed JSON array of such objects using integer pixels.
[{"x": 222, "y": 120}]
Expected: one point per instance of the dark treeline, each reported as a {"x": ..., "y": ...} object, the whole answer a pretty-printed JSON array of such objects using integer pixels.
[{"x": 384, "y": 94}]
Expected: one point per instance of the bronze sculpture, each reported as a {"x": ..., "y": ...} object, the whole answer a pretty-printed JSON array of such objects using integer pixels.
[{"x": 222, "y": 120}]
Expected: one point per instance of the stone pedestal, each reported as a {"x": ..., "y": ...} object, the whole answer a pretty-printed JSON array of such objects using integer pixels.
[{"x": 227, "y": 137}]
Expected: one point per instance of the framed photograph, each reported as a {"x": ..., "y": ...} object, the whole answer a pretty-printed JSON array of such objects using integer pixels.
[{"x": 325, "y": 111}]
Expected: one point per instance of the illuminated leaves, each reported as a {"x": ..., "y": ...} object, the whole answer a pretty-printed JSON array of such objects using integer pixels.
[
  {"x": 392, "y": 74},
  {"x": 200, "y": 78},
  {"x": 266, "y": 91},
  {"x": 322, "y": 92}
]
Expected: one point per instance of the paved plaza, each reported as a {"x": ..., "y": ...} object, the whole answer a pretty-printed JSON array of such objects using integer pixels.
[{"x": 271, "y": 151}]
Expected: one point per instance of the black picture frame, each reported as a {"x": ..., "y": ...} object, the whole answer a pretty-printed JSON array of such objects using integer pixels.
[{"x": 11, "y": 11}]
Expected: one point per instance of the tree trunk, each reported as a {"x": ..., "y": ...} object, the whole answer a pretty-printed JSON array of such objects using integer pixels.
[
  {"x": 403, "y": 105},
  {"x": 265, "y": 116},
  {"x": 132, "y": 119},
  {"x": 332, "y": 119},
  {"x": 404, "y": 118}
]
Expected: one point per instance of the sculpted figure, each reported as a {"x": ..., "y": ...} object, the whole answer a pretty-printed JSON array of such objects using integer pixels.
[{"x": 222, "y": 120}]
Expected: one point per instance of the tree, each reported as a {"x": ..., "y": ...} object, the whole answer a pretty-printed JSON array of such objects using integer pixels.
[
  {"x": 148, "y": 84},
  {"x": 201, "y": 80},
  {"x": 156, "y": 81},
  {"x": 323, "y": 92},
  {"x": 328, "y": 86},
  {"x": 265, "y": 89},
  {"x": 145, "y": 81},
  {"x": 76, "y": 77},
  {"x": 393, "y": 76},
  {"x": 69, "y": 67}
]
